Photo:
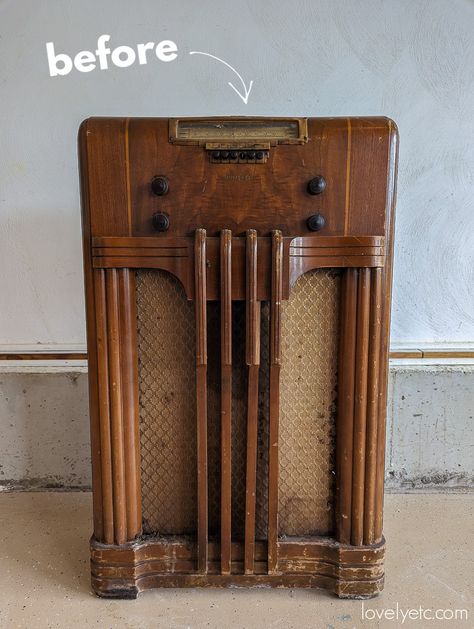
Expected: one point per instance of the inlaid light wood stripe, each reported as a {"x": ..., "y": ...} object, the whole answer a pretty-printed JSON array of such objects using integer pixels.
[
  {"x": 348, "y": 175},
  {"x": 127, "y": 174}
]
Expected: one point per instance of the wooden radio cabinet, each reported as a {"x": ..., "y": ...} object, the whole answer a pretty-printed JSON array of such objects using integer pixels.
[{"x": 238, "y": 277}]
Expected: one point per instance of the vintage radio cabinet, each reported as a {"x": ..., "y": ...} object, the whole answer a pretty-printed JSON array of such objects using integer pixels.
[{"x": 238, "y": 275}]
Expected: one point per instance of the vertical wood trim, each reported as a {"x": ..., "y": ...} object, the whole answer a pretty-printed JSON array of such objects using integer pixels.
[
  {"x": 226, "y": 398},
  {"x": 131, "y": 435},
  {"x": 201, "y": 395},
  {"x": 253, "y": 363},
  {"x": 372, "y": 404},
  {"x": 116, "y": 409},
  {"x": 345, "y": 414},
  {"x": 104, "y": 408},
  {"x": 360, "y": 407},
  {"x": 274, "y": 404},
  {"x": 392, "y": 157},
  {"x": 94, "y": 402},
  {"x": 382, "y": 405},
  {"x": 253, "y": 306}
]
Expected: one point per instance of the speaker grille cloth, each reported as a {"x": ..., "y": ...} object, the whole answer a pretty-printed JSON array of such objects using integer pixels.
[
  {"x": 167, "y": 390},
  {"x": 167, "y": 394},
  {"x": 310, "y": 323}
]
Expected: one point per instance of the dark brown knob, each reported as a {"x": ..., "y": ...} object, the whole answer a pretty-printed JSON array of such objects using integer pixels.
[
  {"x": 159, "y": 186},
  {"x": 316, "y": 185},
  {"x": 315, "y": 222},
  {"x": 161, "y": 221}
]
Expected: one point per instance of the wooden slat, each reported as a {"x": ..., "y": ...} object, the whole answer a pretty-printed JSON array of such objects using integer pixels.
[
  {"x": 201, "y": 397},
  {"x": 116, "y": 409},
  {"x": 253, "y": 362},
  {"x": 372, "y": 404},
  {"x": 344, "y": 430},
  {"x": 274, "y": 402},
  {"x": 360, "y": 407},
  {"x": 104, "y": 407},
  {"x": 131, "y": 434},
  {"x": 382, "y": 405},
  {"x": 226, "y": 398}
]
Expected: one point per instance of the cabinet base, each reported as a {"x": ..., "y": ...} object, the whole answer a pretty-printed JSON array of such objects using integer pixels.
[{"x": 150, "y": 562}]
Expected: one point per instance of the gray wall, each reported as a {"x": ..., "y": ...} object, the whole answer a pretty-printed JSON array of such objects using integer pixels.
[{"x": 409, "y": 59}]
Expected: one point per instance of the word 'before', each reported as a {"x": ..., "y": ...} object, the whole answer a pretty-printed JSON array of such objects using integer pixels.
[{"x": 61, "y": 64}]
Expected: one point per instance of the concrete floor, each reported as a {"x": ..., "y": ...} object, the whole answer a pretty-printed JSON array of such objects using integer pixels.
[{"x": 45, "y": 582}]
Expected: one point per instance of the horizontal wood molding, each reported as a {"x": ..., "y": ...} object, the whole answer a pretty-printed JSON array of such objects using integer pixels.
[{"x": 316, "y": 563}]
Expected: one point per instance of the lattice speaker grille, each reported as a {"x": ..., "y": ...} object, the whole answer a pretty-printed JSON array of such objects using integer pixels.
[
  {"x": 167, "y": 393},
  {"x": 310, "y": 323},
  {"x": 166, "y": 350}
]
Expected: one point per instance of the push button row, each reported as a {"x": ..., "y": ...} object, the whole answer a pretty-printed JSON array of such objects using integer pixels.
[{"x": 250, "y": 155}]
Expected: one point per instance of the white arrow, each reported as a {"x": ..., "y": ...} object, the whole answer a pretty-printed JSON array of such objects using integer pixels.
[{"x": 247, "y": 91}]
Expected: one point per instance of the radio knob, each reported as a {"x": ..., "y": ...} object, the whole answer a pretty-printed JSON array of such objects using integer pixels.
[
  {"x": 159, "y": 186},
  {"x": 224, "y": 154},
  {"x": 316, "y": 185},
  {"x": 161, "y": 221},
  {"x": 315, "y": 222},
  {"x": 233, "y": 155},
  {"x": 251, "y": 154}
]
